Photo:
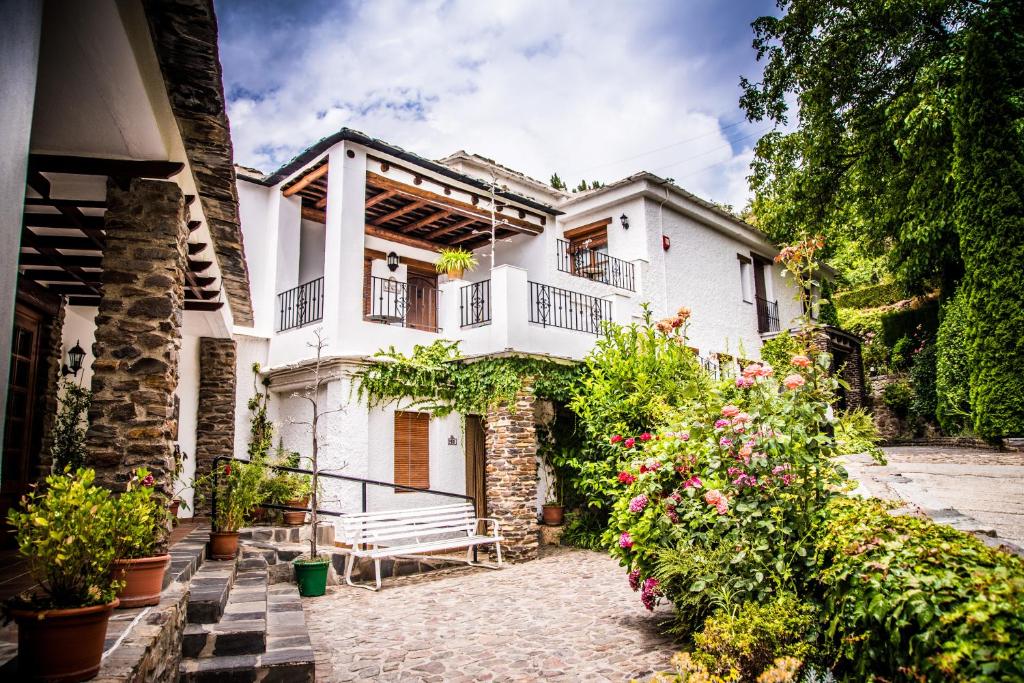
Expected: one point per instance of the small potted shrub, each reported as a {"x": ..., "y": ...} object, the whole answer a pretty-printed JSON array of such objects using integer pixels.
[
  {"x": 298, "y": 489},
  {"x": 553, "y": 510},
  {"x": 66, "y": 533},
  {"x": 238, "y": 493},
  {"x": 455, "y": 262},
  {"x": 141, "y": 520}
]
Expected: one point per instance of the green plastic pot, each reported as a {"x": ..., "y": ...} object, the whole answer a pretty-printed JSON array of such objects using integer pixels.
[{"x": 311, "y": 575}]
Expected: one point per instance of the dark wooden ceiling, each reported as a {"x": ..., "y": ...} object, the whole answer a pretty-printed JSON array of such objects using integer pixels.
[{"x": 62, "y": 239}]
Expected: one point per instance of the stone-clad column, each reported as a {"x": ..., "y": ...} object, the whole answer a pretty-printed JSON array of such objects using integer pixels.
[
  {"x": 138, "y": 333},
  {"x": 511, "y": 474},
  {"x": 215, "y": 423}
]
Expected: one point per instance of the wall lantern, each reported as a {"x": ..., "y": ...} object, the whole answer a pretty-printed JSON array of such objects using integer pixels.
[
  {"x": 392, "y": 261},
  {"x": 665, "y": 242},
  {"x": 624, "y": 219},
  {"x": 76, "y": 354}
]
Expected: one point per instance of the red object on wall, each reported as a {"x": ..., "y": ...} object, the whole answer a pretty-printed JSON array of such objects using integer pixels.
[{"x": 665, "y": 242}]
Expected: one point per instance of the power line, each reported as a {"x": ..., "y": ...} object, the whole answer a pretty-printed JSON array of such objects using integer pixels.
[{"x": 712, "y": 150}]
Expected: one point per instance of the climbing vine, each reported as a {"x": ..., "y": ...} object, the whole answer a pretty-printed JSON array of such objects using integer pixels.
[
  {"x": 261, "y": 429},
  {"x": 439, "y": 380}
]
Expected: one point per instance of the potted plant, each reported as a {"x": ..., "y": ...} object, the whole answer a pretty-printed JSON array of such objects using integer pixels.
[
  {"x": 238, "y": 493},
  {"x": 455, "y": 262},
  {"x": 65, "y": 531},
  {"x": 141, "y": 521}
]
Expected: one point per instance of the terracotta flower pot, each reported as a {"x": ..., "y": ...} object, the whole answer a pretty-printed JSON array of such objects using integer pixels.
[
  {"x": 61, "y": 645},
  {"x": 144, "y": 579},
  {"x": 295, "y": 518},
  {"x": 456, "y": 273},
  {"x": 553, "y": 515},
  {"x": 175, "y": 504},
  {"x": 259, "y": 514},
  {"x": 223, "y": 545}
]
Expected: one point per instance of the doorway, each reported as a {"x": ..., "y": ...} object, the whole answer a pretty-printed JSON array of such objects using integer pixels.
[
  {"x": 421, "y": 293},
  {"x": 476, "y": 463}
]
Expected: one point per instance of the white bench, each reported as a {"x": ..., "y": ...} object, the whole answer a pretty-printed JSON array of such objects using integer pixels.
[{"x": 404, "y": 533}]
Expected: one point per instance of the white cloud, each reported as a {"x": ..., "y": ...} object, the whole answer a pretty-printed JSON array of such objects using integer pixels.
[{"x": 582, "y": 88}]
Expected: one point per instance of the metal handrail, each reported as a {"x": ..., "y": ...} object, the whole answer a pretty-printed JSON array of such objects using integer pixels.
[
  {"x": 475, "y": 304},
  {"x": 301, "y": 305},
  {"x": 767, "y": 315},
  {"x": 327, "y": 475},
  {"x": 594, "y": 265},
  {"x": 557, "y": 307}
]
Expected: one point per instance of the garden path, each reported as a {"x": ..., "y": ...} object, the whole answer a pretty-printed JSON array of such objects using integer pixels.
[
  {"x": 972, "y": 489},
  {"x": 568, "y": 616}
]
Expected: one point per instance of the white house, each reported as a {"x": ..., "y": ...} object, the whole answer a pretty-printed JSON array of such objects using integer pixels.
[{"x": 344, "y": 239}]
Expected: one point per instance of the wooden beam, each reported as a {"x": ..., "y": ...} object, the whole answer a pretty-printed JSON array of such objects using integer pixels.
[
  {"x": 471, "y": 236},
  {"x": 442, "y": 202},
  {"x": 65, "y": 260},
  {"x": 398, "y": 237},
  {"x": 313, "y": 175},
  {"x": 194, "y": 225},
  {"x": 377, "y": 198},
  {"x": 41, "y": 242},
  {"x": 588, "y": 230},
  {"x": 461, "y": 223},
  {"x": 432, "y": 218},
  {"x": 196, "y": 247},
  {"x": 40, "y": 275},
  {"x": 77, "y": 203},
  {"x": 398, "y": 212},
  {"x": 311, "y": 214},
  {"x": 92, "y": 231},
  {"x": 198, "y": 266},
  {"x": 411, "y": 262},
  {"x": 115, "y": 168},
  {"x": 63, "y": 220},
  {"x": 190, "y": 305}
]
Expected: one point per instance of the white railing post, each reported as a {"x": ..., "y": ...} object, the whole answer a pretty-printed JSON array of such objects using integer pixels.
[
  {"x": 448, "y": 318},
  {"x": 510, "y": 307}
]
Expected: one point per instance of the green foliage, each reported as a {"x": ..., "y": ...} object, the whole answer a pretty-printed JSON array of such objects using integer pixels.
[
  {"x": 873, "y": 85},
  {"x": 240, "y": 487},
  {"x": 141, "y": 519},
  {"x": 919, "y": 322},
  {"x": 873, "y": 295},
  {"x": 777, "y": 351},
  {"x": 750, "y": 639},
  {"x": 855, "y": 432},
  {"x": 827, "y": 313},
  {"x": 437, "y": 380},
  {"x": 261, "y": 429},
  {"x": 989, "y": 217},
  {"x": 902, "y": 353},
  {"x": 953, "y": 366},
  {"x": 278, "y": 488},
  {"x": 65, "y": 531},
  {"x": 455, "y": 259},
  {"x": 556, "y": 182},
  {"x": 583, "y": 528},
  {"x": 922, "y": 376},
  {"x": 908, "y": 599},
  {"x": 898, "y": 396},
  {"x": 68, "y": 448}
]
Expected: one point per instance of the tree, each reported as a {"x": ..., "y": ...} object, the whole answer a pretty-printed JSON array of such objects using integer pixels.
[
  {"x": 871, "y": 156},
  {"x": 556, "y": 182},
  {"x": 989, "y": 175}
]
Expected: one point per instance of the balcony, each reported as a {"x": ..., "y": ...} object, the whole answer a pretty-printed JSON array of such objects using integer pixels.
[
  {"x": 767, "y": 315},
  {"x": 557, "y": 307},
  {"x": 406, "y": 304},
  {"x": 300, "y": 306},
  {"x": 595, "y": 265},
  {"x": 475, "y": 304}
]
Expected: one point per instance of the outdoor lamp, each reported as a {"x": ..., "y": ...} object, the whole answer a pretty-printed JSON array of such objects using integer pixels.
[
  {"x": 76, "y": 354},
  {"x": 624, "y": 219},
  {"x": 392, "y": 261}
]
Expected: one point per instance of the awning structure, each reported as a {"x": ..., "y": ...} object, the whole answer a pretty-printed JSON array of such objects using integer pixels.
[
  {"x": 63, "y": 234},
  {"x": 409, "y": 213}
]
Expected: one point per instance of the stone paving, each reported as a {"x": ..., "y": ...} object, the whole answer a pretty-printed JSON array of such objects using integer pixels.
[
  {"x": 568, "y": 616},
  {"x": 973, "y": 489}
]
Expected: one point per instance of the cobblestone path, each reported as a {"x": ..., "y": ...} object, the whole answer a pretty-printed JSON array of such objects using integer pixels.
[
  {"x": 568, "y": 616},
  {"x": 972, "y": 489}
]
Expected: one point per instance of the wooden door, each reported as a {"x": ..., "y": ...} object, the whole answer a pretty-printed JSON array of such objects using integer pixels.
[
  {"x": 421, "y": 302},
  {"x": 760, "y": 294},
  {"x": 476, "y": 463},
  {"x": 22, "y": 433}
]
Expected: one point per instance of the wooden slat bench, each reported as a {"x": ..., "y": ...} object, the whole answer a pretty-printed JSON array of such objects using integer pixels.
[{"x": 404, "y": 533}]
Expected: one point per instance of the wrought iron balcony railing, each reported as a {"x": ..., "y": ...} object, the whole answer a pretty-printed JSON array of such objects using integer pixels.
[
  {"x": 301, "y": 305},
  {"x": 412, "y": 304},
  {"x": 475, "y": 304},
  {"x": 557, "y": 307},
  {"x": 767, "y": 315},
  {"x": 595, "y": 265}
]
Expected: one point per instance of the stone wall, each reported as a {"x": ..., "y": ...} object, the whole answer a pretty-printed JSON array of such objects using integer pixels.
[
  {"x": 511, "y": 474},
  {"x": 215, "y": 423},
  {"x": 138, "y": 333}
]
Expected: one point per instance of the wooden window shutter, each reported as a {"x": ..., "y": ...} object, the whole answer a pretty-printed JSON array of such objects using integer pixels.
[{"x": 412, "y": 449}]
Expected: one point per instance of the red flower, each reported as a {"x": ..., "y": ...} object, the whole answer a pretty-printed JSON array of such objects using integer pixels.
[
  {"x": 617, "y": 438},
  {"x": 626, "y": 478},
  {"x": 646, "y": 436},
  {"x": 149, "y": 480},
  {"x": 227, "y": 469},
  {"x": 630, "y": 442}
]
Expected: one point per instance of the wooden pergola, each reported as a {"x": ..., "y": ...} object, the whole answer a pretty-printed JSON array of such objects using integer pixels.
[
  {"x": 411, "y": 215},
  {"x": 63, "y": 238}
]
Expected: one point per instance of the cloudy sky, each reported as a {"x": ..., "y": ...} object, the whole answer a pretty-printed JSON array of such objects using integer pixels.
[{"x": 594, "y": 89}]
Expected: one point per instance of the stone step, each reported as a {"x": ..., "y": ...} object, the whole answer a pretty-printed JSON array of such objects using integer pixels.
[
  {"x": 288, "y": 657},
  {"x": 209, "y": 591},
  {"x": 289, "y": 534},
  {"x": 187, "y": 556},
  {"x": 242, "y": 628}
]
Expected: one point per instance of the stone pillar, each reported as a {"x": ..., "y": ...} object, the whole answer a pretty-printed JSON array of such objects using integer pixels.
[
  {"x": 50, "y": 400},
  {"x": 215, "y": 423},
  {"x": 138, "y": 333},
  {"x": 511, "y": 474}
]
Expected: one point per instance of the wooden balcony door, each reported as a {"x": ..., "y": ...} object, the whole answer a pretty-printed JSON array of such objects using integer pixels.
[
  {"x": 476, "y": 468},
  {"x": 421, "y": 311}
]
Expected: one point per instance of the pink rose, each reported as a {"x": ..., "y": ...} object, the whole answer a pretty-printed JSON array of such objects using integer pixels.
[
  {"x": 717, "y": 499},
  {"x": 693, "y": 482},
  {"x": 721, "y": 423},
  {"x": 801, "y": 361},
  {"x": 730, "y": 411},
  {"x": 746, "y": 450},
  {"x": 685, "y": 436},
  {"x": 765, "y": 371},
  {"x": 744, "y": 382},
  {"x": 793, "y": 382},
  {"x": 149, "y": 480},
  {"x": 751, "y": 370},
  {"x": 625, "y": 540},
  {"x": 741, "y": 418}
]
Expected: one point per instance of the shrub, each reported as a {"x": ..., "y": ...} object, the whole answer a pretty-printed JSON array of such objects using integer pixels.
[
  {"x": 141, "y": 518},
  {"x": 67, "y": 450},
  {"x": 66, "y": 533},
  {"x": 871, "y": 296},
  {"x": 953, "y": 366},
  {"x": 902, "y": 353},
  {"x": 861, "y": 321},
  {"x": 908, "y": 599},
  {"x": 898, "y": 396},
  {"x": 777, "y": 351},
  {"x": 920, "y": 321},
  {"x": 922, "y": 377},
  {"x": 750, "y": 639},
  {"x": 240, "y": 487}
]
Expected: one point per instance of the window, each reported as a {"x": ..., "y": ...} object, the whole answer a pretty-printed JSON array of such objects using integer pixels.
[
  {"x": 746, "y": 278},
  {"x": 412, "y": 449},
  {"x": 585, "y": 244}
]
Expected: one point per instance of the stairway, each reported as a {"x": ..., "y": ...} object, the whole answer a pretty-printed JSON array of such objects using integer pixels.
[{"x": 241, "y": 629}]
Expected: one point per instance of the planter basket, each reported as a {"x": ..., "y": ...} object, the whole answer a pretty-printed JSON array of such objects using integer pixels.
[{"x": 61, "y": 645}]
